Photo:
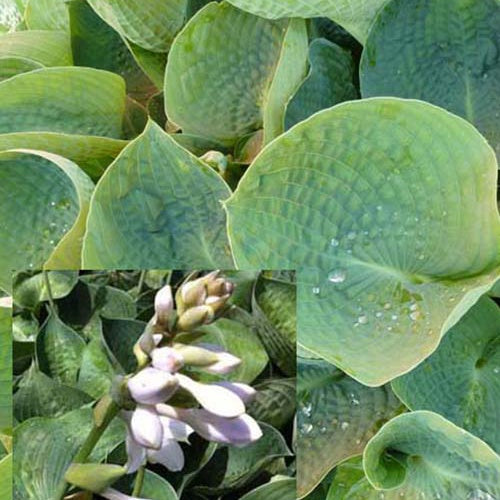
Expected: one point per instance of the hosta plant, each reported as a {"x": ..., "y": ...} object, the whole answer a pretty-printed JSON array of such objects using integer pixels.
[{"x": 151, "y": 385}]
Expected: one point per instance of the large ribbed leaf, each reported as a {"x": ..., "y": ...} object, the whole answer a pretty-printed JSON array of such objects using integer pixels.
[
  {"x": 220, "y": 82},
  {"x": 151, "y": 25},
  {"x": 5, "y": 369},
  {"x": 49, "y": 48},
  {"x": 154, "y": 486},
  {"x": 388, "y": 208},
  {"x": 71, "y": 100},
  {"x": 441, "y": 52},
  {"x": 426, "y": 456},
  {"x": 461, "y": 380},
  {"x": 12, "y": 66},
  {"x": 355, "y": 16},
  {"x": 47, "y": 15},
  {"x": 157, "y": 206},
  {"x": 336, "y": 418},
  {"x": 44, "y": 448},
  {"x": 44, "y": 203},
  {"x": 278, "y": 489},
  {"x": 6, "y": 477},
  {"x": 329, "y": 82}
]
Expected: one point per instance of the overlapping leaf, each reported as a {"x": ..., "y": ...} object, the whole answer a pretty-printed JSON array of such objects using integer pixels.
[
  {"x": 220, "y": 84},
  {"x": 445, "y": 53},
  {"x": 5, "y": 370},
  {"x": 47, "y": 15},
  {"x": 156, "y": 205},
  {"x": 388, "y": 208},
  {"x": 44, "y": 195}
]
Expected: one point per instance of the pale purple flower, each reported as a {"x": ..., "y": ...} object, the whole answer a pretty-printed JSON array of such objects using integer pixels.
[
  {"x": 214, "y": 398},
  {"x": 151, "y": 386},
  {"x": 167, "y": 359},
  {"x": 146, "y": 427},
  {"x": 225, "y": 363},
  {"x": 245, "y": 392},
  {"x": 112, "y": 494},
  {"x": 164, "y": 304}
]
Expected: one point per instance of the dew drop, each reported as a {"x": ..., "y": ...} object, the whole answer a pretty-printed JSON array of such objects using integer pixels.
[
  {"x": 334, "y": 242},
  {"x": 344, "y": 425},
  {"x": 387, "y": 305},
  {"x": 379, "y": 208},
  {"x": 415, "y": 315},
  {"x": 316, "y": 290},
  {"x": 337, "y": 276},
  {"x": 351, "y": 235},
  {"x": 496, "y": 370},
  {"x": 363, "y": 319},
  {"x": 394, "y": 317},
  {"x": 307, "y": 428},
  {"x": 379, "y": 314},
  {"x": 322, "y": 430},
  {"x": 52, "y": 203},
  {"x": 307, "y": 410},
  {"x": 421, "y": 256}
]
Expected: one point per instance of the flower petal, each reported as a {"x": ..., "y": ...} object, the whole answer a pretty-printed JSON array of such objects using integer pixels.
[
  {"x": 136, "y": 454},
  {"x": 164, "y": 304},
  {"x": 170, "y": 455},
  {"x": 245, "y": 392},
  {"x": 146, "y": 427},
  {"x": 151, "y": 386},
  {"x": 175, "y": 429},
  {"x": 214, "y": 398},
  {"x": 112, "y": 494},
  {"x": 167, "y": 359}
]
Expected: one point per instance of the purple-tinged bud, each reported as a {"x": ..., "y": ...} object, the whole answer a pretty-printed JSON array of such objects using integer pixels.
[
  {"x": 136, "y": 454},
  {"x": 225, "y": 363},
  {"x": 214, "y": 398},
  {"x": 151, "y": 386},
  {"x": 196, "y": 356},
  {"x": 146, "y": 427},
  {"x": 167, "y": 359},
  {"x": 164, "y": 305},
  {"x": 245, "y": 392},
  {"x": 194, "y": 318}
]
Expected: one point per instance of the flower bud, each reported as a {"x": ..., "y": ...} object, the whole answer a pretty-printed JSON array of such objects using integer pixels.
[
  {"x": 112, "y": 494},
  {"x": 146, "y": 428},
  {"x": 193, "y": 293},
  {"x": 195, "y": 317},
  {"x": 220, "y": 287},
  {"x": 167, "y": 359},
  {"x": 214, "y": 398},
  {"x": 245, "y": 392},
  {"x": 225, "y": 362},
  {"x": 151, "y": 386},
  {"x": 196, "y": 356},
  {"x": 164, "y": 305}
]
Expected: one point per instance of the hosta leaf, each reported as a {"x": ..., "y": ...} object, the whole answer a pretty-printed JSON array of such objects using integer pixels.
[
  {"x": 426, "y": 456},
  {"x": 274, "y": 306},
  {"x": 97, "y": 45},
  {"x": 461, "y": 380},
  {"x": 355, "y": 198},
  {"x": 42, "y": 396},
  {"x": 329, "y": 82},
  {"x": 154, "y": 486},
  {"x": 47, "y": 15},
  {"x": 31, "y": 289},
  {"x": 91, "y": 153},
  {"x": 44, "y": 448},
  {"x": 205, "y": 93},
  {"x": 152, "y": 63},
  {"x": 152, "y": 25},
  {"x": 445, "y": 53},
  {"x": 5, "y": 370},
  {"x": 71, "y": 100},
  {"x": 49, "y": 48},
  {"x": 274, "y": 403},
  {"x": 12, "y": 66},
  {"x": 278, "y": 489},
  {"x": 42, "y": 226},
  {"x": 240, "y": 341},
  {"x": 355, "y": 16},
  {"x": 6, "y": 477},
  {"x": 59, "y": 351},
  {"x": 156, "y": 205},
  {"x": 336, "y": 418}
]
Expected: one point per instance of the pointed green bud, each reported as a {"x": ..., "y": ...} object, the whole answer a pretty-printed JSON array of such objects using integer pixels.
[
  {"x": 194, "y": 318},
  {"x": 196, "y": 356},
  {"x": 94, "y": 477}
]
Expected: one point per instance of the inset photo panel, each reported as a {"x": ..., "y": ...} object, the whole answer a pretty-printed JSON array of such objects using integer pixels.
[{"x": 149, "y": 385}]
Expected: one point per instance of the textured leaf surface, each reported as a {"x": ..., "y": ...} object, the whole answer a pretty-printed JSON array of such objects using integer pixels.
[
  {"x": 47, "y": 15},
  {"x": 336, "y": 418},
  {"x": 157, "y": 205},
  {"x": 384, "y": 270},
  {"x": 329, "y": 82},
  {"x": 12, "y": 66},
  {"x": 44, "y": 195},
  {"x": 6, "y": 477},
  {"x": 96, "y": 371},
  {"x": 461, "y": 380},
  {"x": 205, "y": 93},
  {"x": 355, "y": 16},
  {"x": 279, "y": 489},
  {"x": 71, "y": 100},
  {"x": 151, "y": 25},
  {"x": 5, "y": 369},
  {"x": 154, "y": 486},
  {"x": 44, "y": 448},
  {"x": 426, "y": 455},
  {"x": 445, "y": 53}
]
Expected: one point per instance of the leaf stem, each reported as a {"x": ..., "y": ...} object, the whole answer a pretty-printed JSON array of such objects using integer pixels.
[
  {"x": 142, "y": 277},
  {"x": 52, "y": 304},
  {"x": 139, "y": 480}
]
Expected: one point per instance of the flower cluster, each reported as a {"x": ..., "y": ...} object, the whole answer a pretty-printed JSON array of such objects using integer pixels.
[{"x": 155, "y": 428}]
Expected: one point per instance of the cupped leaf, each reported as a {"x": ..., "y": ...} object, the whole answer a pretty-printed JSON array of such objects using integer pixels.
[
  {"x": 44, "y": 204},
  {"x": 426, "y": 456},
  {"x": 91, "y": 153},
  {"x": 355, "y": 16},
  {"x": 157, "y": 206},
  {"x": 12, "y": 66},
  {"x": 152, "y": 25},
  {"x": 220, "y": 84},
  {"x": 329, "y": 82},
  {"x": 5, "y": 370},
  {"x": 70, "y": 100},
  {"x": 460, "y": 381},
  {"x": 277, "y": 489},
  {"x": 49, "y": 48},
  {"x": 44, "y": 448},
  {"x": 59, "y": 351},
  {"x": 47, "y": 15},
  {"x": 240, "y": 341},
  {"x": 96, "y": 371},
  {"x": 274, "y": 304},
  {"x": 336, "y": 418},
  {"x": 388, "y": 208},
  {"x": 443, "y": 53},
  {"x": 153, "y": 486}
]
